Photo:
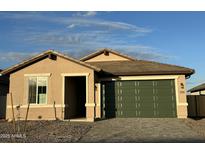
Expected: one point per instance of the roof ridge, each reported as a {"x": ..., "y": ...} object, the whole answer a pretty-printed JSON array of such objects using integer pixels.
[{"x": 99, "y": 51}]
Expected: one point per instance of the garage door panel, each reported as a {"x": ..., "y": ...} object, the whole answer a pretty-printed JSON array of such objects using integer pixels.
[
  {"x": 162, "y": 114},
  {"x": 128, "y": 98},
  {"x": 164, "y": 86},
  {"x": 146, "y": 82},
  {"x": 165, "y": 99},
  {"x": 166, "y": 114},
  {"x": 145, "y": 90},
  {"x": 143, "y": 94},
  {"x": 128, "y": 114},
  {"x": 165, "y": 103},
  {"x": 146, "y": 114},
  {"x": 164, "y": 92},
  {"x": 127, "y": 108},
  {"x": 147, "y": 98},
  {"x": 127, "y": 94},
  {"x": 166, "y": 106},
  {"x": 146, "y": 108},
  {"x": 163, "y": 82}
]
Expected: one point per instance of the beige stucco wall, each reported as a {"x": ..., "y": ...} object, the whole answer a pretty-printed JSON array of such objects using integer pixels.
[
  {"x": 98, "y": 100},
  {"x": 182, "y": 99},
  {"x": 110, "y": 57},
  {"x": 19, "y": 89}
]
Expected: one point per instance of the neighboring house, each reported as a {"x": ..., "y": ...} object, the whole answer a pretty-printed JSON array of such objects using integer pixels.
[
  {"x": 104, "y": 84},
  {"x": 196, "y": 99},
  {"x": 198, "y": 90},
  {"x": 4, "y": 89}
]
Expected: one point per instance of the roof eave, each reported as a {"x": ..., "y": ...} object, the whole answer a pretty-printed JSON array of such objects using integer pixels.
[{"x": 144, "y": 73}]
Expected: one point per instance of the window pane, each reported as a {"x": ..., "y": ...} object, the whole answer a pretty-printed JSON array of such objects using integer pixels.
[
  {"x": 42, "y": 93},
  {"x": 32, "y": 90}
]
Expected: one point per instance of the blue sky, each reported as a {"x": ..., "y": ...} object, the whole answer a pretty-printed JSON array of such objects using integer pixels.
[{"x": 169, "y": 37}]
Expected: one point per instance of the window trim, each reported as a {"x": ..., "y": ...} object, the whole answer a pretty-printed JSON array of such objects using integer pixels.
[
  {"x": 38, "y": 75},
  {"x": 36, "y": 104}
]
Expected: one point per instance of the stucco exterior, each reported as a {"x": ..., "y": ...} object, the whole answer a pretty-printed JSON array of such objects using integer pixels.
[
  {"x": 182, "y": 99},
  {"x": 54, "y": 70}
]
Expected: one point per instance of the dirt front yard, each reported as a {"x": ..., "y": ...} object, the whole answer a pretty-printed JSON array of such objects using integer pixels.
[
  {"x": 43, "y": 131},
  {"x": 111, "y": 130},
  {"x": 142, "y": 130}
]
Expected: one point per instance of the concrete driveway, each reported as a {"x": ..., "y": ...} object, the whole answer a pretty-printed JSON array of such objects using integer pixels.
[{"x": 142, "y": 130}]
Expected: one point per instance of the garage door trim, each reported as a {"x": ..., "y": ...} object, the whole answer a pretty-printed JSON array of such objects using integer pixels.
[{"x": 154, "y": 77}]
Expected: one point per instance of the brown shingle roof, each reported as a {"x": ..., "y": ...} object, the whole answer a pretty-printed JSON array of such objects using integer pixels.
[
  {"x": 140, "y": 67},
  {"x": 198, "y": 88}
]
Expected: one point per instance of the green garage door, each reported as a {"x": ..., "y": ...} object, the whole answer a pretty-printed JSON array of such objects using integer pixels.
[{"x": 149, "y": 98}]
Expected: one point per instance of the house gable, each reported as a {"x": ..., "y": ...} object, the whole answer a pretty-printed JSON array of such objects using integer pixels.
[
  {"x": 52, "y": 55},
  {"x": 106, "y": 55}
]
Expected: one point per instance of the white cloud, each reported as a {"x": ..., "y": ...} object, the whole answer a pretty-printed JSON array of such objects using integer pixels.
[
  {"x": 111, "y": 25},
  {"x": 90, "y": 13},
  {"x": 16, "y": 56},
  {"x": 72, "y": 26},
  {"x": 77, "y": 21},
  {"x": 81, "y": 43},
  {"x": 86, "y": 14},
  {"x": 94, "y": 34}
]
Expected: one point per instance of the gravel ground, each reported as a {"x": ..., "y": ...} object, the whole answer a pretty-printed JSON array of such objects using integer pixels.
[
  {"x": 196, "y": 125},
  {"x": 43, "y": 131},
  {"x": 140, "y": 130},
  {"x": 112, "y": 130}
]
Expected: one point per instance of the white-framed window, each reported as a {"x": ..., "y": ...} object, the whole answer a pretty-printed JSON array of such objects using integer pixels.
[{"x": 37, "y": 90}]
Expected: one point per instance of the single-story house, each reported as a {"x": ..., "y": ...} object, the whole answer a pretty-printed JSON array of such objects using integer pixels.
[
  {"x": 104, "y": 84},
  {"x": 4, "y": 89},
  {"x": 198, "y": 90}
]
